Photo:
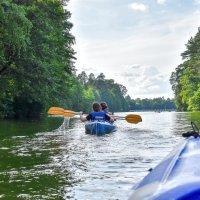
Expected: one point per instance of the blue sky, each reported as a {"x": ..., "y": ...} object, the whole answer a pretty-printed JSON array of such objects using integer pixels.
[{"x": 136, "y": 43}]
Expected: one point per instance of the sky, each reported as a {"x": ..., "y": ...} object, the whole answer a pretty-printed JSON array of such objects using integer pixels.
[{"x": 138, "y": 43}]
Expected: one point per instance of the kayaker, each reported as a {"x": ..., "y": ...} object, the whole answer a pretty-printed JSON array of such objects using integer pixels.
[
  {"x": 97, "y": 114},
  {"x": 104, "y": 108}
]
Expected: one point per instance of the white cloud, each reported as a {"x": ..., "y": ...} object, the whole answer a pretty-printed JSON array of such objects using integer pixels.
[
  {"x": 197, "y": 1},
  {"x": 145, "y": 82},
  {"x": 135, "y": 66},
  {"x": 161, "y": 1},
  {"x": 139, "y": 7}
]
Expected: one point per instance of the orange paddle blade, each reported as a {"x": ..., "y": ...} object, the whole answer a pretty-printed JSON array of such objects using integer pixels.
[
  {"x": 56, "y": 111},
  {"x": 61, "y": 111},
  {"x": 133, "y": 118}
]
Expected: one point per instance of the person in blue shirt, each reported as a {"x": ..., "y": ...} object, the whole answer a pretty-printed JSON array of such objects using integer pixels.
[{"x": 96, "y": 115}]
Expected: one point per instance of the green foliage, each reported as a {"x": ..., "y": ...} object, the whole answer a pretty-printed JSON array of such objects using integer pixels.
[
  {"x": 102, "y": 89},
  {"x": 36, "y": 57},
  {"x": 195, "y": 100},
  {"x": 14, "y": 34},
  {"x": 151, "y": 104},
  {"x": 15, "y": 31},
  {"x": 186, "y": 77},
  {"x": 192, "y": 47}
]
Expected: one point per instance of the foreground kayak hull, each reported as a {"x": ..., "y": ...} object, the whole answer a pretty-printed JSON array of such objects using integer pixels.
[
  {"x": 176, "y": 178},
  {"x": 99, "y": 128}
]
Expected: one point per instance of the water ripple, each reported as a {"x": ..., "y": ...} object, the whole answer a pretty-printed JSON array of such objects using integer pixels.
[{"x": 69, "y": 164}]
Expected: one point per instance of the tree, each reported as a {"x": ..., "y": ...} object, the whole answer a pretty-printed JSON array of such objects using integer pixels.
[
  {"x": 195, "y": 100},
  {"x": 83, "y": 78},
  {"x": 38, "y": 67},
  {"x": 186, "y": 77},
  {"x": 14, "y": 34}
]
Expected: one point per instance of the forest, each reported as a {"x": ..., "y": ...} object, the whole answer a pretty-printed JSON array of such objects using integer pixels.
[{"x": 37, "y": 67}]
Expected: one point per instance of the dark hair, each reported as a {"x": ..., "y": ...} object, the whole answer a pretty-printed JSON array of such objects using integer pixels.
[
  {"x": 103, "y": 105},
  {"x": 96, "y": 107}
]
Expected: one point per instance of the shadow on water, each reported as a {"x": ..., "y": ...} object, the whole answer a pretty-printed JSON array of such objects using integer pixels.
[
  {"x": 195, "y": 116},
  {"x": 183, "y": 121},
  {"x": 27, "y": 127}
]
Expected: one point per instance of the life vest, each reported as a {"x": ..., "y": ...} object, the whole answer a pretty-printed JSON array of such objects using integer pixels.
[{"x": 98, "y": 116}]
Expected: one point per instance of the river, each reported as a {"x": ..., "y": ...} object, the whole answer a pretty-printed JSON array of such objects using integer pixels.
[{"x": 47, "y": 160}]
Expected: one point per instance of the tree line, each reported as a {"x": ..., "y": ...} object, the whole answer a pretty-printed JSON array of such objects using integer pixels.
[
  {"x": 116, "y": 96},
  {"x": 185, "y": 80},
  {"x": 37, "y": 65}
]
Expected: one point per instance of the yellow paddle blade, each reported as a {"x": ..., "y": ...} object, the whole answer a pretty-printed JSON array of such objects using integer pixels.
[
  {"x": 61, "y": 111},
  {"x": 56, "y": 108},
  {"x": 133, "y": 118},
  {"x": 56, "y": 111}
]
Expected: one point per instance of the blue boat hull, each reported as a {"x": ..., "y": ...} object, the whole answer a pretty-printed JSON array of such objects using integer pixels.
[
  {"x": 99, "y": 128},
  {"x": 176, "y": 178}
]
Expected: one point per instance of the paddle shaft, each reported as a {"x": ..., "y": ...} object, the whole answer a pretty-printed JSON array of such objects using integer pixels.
[{"x": 131, "y": 118}]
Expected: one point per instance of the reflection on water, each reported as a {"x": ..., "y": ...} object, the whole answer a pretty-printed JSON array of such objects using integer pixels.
[
  {"x": 27, "y": 127},
  {"x": 69, "y": 164}
]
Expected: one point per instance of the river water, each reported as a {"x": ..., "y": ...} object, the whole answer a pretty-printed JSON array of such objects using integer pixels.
[{"x": 38, "y": 162}]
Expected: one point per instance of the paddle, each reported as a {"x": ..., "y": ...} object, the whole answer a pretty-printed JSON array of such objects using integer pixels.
[
  {"x": 61, "y": 111},
  {"x": 131, "y": 118}
]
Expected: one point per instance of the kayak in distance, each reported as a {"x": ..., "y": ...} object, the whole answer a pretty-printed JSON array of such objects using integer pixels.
[
  {"x": 177, "y": 177},
  {"x": 99, "y": 127}
]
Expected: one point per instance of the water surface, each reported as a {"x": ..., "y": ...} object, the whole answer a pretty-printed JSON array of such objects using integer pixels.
[{"x": 39, "y": 162}]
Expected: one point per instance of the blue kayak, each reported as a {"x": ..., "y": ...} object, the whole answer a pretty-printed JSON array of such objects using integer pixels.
[
  {"x": 177, "y": 177},
  {"x": 99, "y": 128}
]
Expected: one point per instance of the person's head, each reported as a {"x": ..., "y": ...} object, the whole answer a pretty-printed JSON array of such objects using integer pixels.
[
  {"x": 104, "y": 105},
  {"x": 96, "y": 107}
]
